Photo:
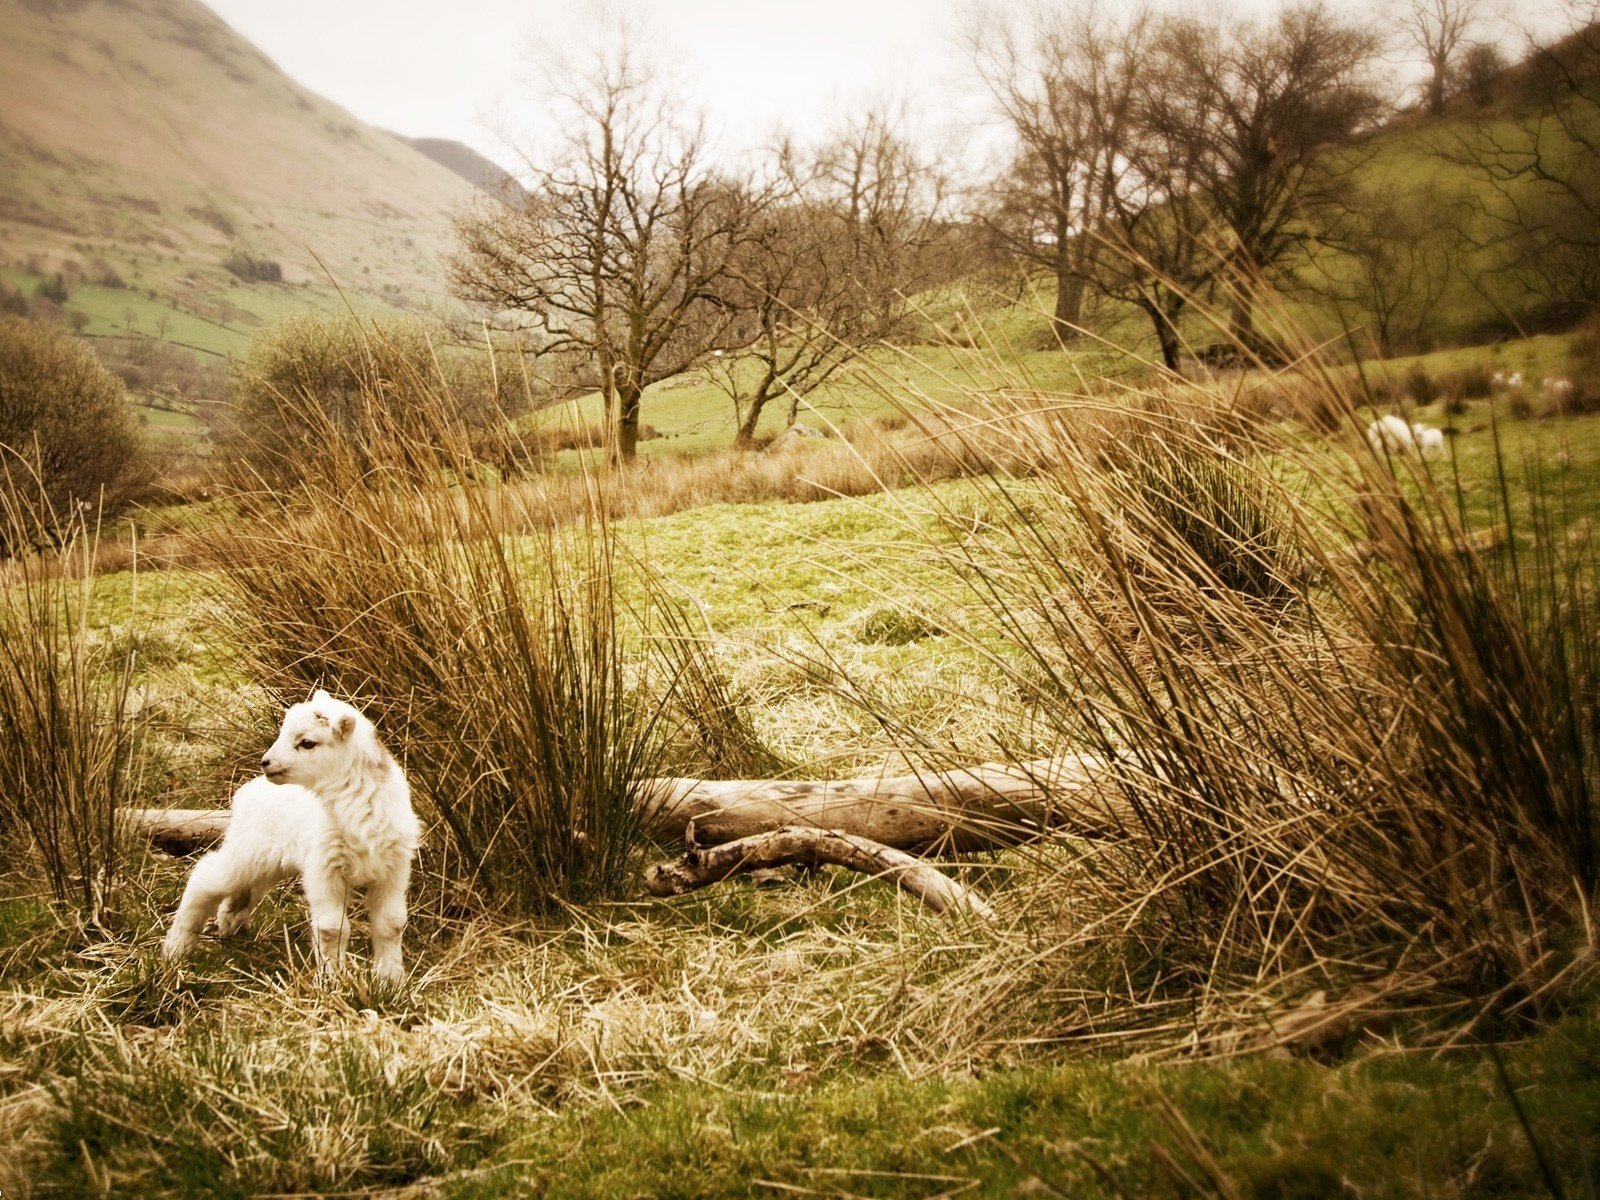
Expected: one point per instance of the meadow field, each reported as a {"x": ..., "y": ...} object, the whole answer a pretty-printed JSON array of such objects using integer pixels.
[{"x": 928, "y": 590}]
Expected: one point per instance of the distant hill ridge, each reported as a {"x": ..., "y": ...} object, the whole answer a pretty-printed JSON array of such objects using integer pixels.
[{"x": 482, "y": 173}]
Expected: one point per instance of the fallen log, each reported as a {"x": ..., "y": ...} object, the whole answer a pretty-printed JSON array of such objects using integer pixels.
[
  {"x": 701, "y": 866},
  {"x": 976, "y": 808},
  {"x": 179, "y": 830}
]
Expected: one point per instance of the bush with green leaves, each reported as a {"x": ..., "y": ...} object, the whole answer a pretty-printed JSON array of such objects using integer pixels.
[
  {"x": 69, "y": 442},
  {"x": 312, "y": 372},
  {"x": 252, "y": 269}
]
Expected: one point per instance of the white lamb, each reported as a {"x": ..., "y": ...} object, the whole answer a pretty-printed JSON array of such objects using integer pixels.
[
  {"x": 1391, "y": 435},
  {"x": 331, "y": 806},
  {"x": 1430, "y": 441}
]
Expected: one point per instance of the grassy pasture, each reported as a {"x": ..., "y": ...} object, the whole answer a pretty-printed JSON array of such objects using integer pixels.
[{"x": 819, "y": 1037}]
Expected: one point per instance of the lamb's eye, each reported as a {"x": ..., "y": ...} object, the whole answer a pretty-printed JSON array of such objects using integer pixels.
[{"x": 305, "y": 744}]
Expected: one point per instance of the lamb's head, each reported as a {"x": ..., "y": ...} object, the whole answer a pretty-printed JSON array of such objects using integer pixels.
[{"x": 321, "y": 740}]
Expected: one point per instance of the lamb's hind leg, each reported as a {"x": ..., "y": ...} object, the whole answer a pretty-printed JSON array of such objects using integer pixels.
[
  {"x": 213, "y": 877},
  {"x": 233, "y": 915}
]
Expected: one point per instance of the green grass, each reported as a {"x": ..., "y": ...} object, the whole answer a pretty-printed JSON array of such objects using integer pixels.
[
  {"x": 106, "y": 309},
  {"x": 1375, "y": 1126},
  {"x": 254, "y": 308},
  {"x": 691, "y": 415}
]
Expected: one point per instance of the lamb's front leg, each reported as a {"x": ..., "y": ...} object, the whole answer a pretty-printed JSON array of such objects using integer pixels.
[
  {"x": 386, "y": 908},
  {"x": 213, "y": 877},
  {"x": 328, "y": 897}
]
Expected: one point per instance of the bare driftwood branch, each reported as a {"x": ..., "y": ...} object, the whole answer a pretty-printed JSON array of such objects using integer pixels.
[
  {"x": 179, "y": 830},
  {"x": 700, "y": 866},
  {"x": 974, "y": 808}
]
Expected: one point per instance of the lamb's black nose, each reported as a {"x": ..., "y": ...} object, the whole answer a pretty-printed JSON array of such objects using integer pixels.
[{"x": 265, "y": 762}]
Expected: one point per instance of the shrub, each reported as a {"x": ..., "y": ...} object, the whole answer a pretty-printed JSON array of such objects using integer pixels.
[
  {"x": 12, "y": 302},
  {"x": 53, "y": 289},
  {"x": 1474, "y": 382},
  {"x": 312, "y": 374},
  {"x": 64, "y": 422},
  {"x": 251, "y": 269},
  {"x": 1420, "y": 386},
  {"x": 213, "y": 216}
]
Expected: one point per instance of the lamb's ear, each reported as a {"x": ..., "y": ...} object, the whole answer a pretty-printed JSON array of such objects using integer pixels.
[
  {"x": 319, "y": 696},
  {"x": 344, "y": 726}
]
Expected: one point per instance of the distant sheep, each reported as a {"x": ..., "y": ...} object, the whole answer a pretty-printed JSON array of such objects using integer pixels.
[
  {"x": 332, "y": 807},
  {"x": 1430, "y": 441},
  {"x": 1391, "y": 435},
  {"x": 1556, "y": 390}
]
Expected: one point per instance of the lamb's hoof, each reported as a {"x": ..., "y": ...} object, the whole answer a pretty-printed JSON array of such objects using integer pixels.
[{"x": 175, "y": 946}]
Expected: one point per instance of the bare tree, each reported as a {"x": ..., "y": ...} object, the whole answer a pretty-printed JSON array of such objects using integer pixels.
[
  {"x": 1542, "y": 209},
  {"x": 1064, "y": 102},
  {"x": 829, "y": 271},
  {"x": 1481, "y": 65},
  {"x": 1160, "y": 231},
  {"x": 619, "y": 249},
  {"x": 1439, "y": 30},
  {"x": 1394, "y": 252},
  {"x": 1262, "y": 104},
  {"x": 1153, "y": 240}
]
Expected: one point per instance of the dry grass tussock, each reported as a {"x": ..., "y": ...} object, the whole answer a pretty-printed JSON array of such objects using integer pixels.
[
  {"x": 1362, "y": 775},
  {"x": 69, "y": 740}
]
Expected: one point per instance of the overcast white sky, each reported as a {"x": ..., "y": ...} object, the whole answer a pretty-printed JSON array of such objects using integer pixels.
[
  {"x": 467, "y": 69},
  {"x": 462, "y": 68}
]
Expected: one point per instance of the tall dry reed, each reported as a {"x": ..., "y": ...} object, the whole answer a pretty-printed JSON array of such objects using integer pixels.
[
  {"x": 1353, "y": 748},
  {"x": 477, "y": 624},
  {"x": 68, "y": 732}
]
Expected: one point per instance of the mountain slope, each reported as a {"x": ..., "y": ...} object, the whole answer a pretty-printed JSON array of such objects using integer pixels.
[{"x": 147, "y": 135}]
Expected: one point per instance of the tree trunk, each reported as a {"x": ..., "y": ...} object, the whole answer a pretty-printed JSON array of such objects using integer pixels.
[
  {"x": 628, "y": 397},
  {"x": 1242, "y": 317},
  {"x": 978, "y": 808},
  {"x": 1166, "y": 333},
  {"x": 1069, "y": 284},
  {"x": 700, "y": 867},
  {"x": 746, "y": 435}
]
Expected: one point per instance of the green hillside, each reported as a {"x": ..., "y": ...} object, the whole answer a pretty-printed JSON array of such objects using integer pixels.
[{"x": 144, "y": 145}]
